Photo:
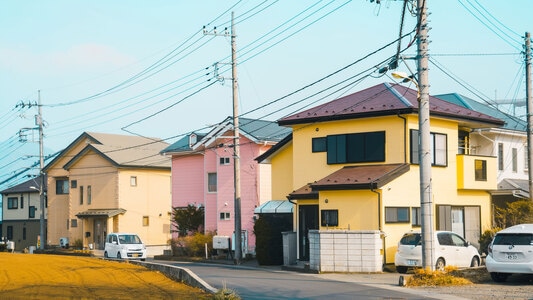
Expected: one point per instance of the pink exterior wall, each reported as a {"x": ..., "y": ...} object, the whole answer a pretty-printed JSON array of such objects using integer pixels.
[{"x": 189, "y": 181}]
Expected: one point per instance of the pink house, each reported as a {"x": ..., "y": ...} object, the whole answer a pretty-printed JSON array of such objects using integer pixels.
[{"x": 203, "y": 173}]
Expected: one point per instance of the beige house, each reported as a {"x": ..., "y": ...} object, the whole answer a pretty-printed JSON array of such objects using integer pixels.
[{"x": 105, "y": 183}]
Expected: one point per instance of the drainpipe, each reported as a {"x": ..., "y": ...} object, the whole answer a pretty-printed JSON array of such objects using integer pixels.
[
  {"x": 382, "y": 234},
  {"x": 404, "y": 137}
]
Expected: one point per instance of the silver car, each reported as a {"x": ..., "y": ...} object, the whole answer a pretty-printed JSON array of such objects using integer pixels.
[
  {"x": 511, "y": 252},
  {"x": 124, "y": 246},
  {"x": 450, "y": 249}
]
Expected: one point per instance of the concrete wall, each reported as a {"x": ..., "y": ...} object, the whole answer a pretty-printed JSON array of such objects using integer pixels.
[{"x": 345, "y": 251}]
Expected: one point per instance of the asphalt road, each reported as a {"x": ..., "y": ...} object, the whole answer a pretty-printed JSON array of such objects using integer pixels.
[{"x": 268, "y": 283}]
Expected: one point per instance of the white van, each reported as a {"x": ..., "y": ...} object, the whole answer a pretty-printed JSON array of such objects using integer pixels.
[{"x": 124, "y": 246}]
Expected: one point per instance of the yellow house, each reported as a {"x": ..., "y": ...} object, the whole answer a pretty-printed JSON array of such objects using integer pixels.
[
  {"x": 352, "y": 165},
  {"x": 103, "y": 183}
]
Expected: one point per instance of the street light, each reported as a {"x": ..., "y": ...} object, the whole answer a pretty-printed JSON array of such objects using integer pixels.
[{"x": 424, "y": 162}]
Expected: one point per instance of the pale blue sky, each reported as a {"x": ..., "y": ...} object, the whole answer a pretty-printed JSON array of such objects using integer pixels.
[{"x": 71, "y": 50}]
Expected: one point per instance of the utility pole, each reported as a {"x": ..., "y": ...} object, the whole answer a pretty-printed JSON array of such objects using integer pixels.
[
  {"x": 424, "y": 149},
  {"x": 529, "y": 105},
  {"x": 236, "y": 133},
  {"x": 39, "y": 121},
  {"x": 236, "y": 158}
]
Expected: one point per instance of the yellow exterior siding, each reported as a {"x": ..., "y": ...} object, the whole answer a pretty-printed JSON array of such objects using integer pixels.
[
  {"x": 358, "y": 210},
  {"x": 282, "y": 173},
  {"x": 150, "y": 198}
]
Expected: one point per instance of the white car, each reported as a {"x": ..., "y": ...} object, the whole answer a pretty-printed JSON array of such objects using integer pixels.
[
  {"x": 124, "y": 246},
  {"x": 450, "y": 249},
  {"x": 511, "y": 252}
]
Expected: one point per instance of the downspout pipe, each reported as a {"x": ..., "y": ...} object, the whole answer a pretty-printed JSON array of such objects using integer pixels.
[
  {"x": 373, "y": 186},
  {"x": 404, "y": 137}
]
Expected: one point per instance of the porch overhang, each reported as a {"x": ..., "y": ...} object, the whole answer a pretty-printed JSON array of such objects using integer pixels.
[
  {"x": 275, "y": 207},
  {"x": 91, "y": 213}
]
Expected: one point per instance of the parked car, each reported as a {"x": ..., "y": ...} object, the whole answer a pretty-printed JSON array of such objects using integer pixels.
[
  {"x": 511, "y": 252},
  {"x": 124, "y": 246},
  {"x": 450, "y": 249}
]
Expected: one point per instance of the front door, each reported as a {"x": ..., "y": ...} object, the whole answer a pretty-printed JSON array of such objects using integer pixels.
[
  {"x": 307, "y": 220},
  {"x": 100, "y": 232}
]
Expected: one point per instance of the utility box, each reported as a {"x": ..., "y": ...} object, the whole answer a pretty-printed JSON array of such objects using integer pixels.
[
  {"x": 221, "y": 242},
  {"x": 289, "y": 248}
]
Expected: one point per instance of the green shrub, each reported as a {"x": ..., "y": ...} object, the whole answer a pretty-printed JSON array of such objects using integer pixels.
[
  {"x": 78, "y": 244},
  {"x": 268, "y": 238},
  {"x": 486, "y": 238}
]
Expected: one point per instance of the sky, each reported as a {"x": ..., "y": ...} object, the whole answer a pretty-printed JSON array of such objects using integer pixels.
[{"x": 147, "y": 67}]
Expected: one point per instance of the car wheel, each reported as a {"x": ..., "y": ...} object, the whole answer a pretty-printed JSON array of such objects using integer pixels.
[
  {"x": 440, "y": 264},
  {"x": 401, "y": 269},
  {"x": 499, "y": 277},
  {"x": 105, "y": 254},
  {"x": 118, "y": 255},
  {"x": 475, "y": 262}
]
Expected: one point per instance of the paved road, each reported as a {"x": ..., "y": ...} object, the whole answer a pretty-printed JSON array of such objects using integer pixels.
[{"x": 268, "y": 283}]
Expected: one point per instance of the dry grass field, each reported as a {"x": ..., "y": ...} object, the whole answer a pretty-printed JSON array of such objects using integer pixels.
[{"x": 42, "y": 276}]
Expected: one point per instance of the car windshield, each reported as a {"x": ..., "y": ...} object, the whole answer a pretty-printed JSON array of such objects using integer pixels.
[
  {"x": 411, "y": 239},
  {"x": 513, "y": 239},
  {"x": 129, "y": 239}
]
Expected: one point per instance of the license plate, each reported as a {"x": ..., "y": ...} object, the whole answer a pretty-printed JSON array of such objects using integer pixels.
[
  {"x": 135, "y": 254},
  {"x": 411, "y": 262},
  {"x": 511, "y": 256}
]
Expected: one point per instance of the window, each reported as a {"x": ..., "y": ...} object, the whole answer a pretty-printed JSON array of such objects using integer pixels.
[
  {"x": 515, "y": 158},
  {"x": 12, "y": 203},
  {"x": 24, "y": 233},
  {"x": 224, "y": 160},
  {"x": 146, "y": 221},
  {"x": 319, "y": 144},
  {"x": 396, "y": 214},
  {"x": 212, "y": 182},
  {"x": 9, "y": 232},
  {"x": 500, "y": 156},
  {"x": 21, "y": 201},
  {"x": 356, "y": 147},
  {"x": 74, "y": 223},
  {"x": 81, "y": 195},
  {"x": 31, "y": 214},
  {"x": 73, "y": 184},
  {"x": 416, "y": 219},
  {"x": 89, "y": 195},
  {"x": 438, "y": 147},
  {"x": 480, "y": 169},
  {"x": 329, "y": 217},
  {"x": 224, "y": 216},
  {"x": 133, "y": 181},
  {"x": 61, "y": 186}
]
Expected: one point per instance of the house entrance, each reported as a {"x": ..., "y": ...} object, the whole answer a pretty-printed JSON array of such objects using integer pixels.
[
  {"x": 307, "y": 220},
  {"x": 100, "y": 232}
]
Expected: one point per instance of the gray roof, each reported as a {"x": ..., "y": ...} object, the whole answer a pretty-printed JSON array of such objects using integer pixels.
[
  {"x": 511, "y": 122},
  {"x": 256, "y": 130},
  {"x": 25, "y": 186}
]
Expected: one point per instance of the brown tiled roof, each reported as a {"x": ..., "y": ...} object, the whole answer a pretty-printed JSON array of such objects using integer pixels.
[
  {"x": 304, "y": 192},
  {"x": 386, "y": 99},
  {"x": 352, "y": 178},
  {"x": 360, "y": 177}
]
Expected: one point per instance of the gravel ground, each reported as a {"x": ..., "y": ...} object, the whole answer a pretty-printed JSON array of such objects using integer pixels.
[{"x": 516, "y": 287}]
